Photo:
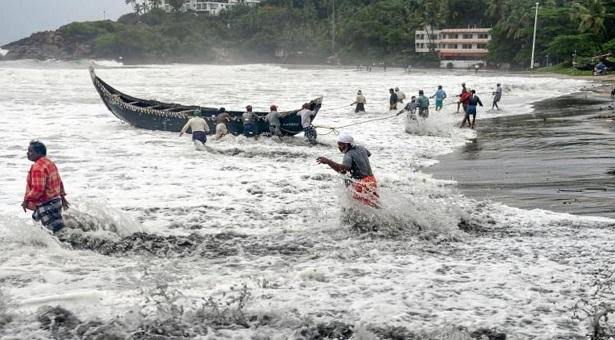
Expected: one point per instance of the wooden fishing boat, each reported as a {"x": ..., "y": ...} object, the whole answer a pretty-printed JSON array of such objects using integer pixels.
[{"x": 156, "y": 115}]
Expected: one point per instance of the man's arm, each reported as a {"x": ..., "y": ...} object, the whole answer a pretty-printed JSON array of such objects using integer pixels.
[
  {"x": 65, "y": 203},
  {"x": 37, "y": 186},
  {"x": 36, "y": 189},
  {"x": 185, "y": 128},
  {"x": 340, "y": 168}
]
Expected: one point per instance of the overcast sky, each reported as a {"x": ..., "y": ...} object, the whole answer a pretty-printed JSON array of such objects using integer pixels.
[{"x": 20, "y": 18}]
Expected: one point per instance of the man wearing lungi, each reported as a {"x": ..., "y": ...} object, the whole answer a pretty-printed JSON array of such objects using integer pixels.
[
  {"x": 198, "y": 125},
  {"x": 45, "y": 194},
  {"x": 356, "y": 162},
  {"x": 307, "y": 116}
]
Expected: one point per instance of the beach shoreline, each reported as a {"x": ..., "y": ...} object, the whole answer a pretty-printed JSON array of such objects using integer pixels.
[{"x": 539, "y": 159}]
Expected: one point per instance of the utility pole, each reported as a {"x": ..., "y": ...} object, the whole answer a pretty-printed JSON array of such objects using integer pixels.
[
  {"x": 534, "y": 39},
  {"x": 333, "y": 29}
]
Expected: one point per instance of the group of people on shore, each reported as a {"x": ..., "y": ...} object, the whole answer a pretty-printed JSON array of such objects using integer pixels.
[
  {"x": 468, "y": 100},
  {"x": 250, "y": 120},
  {"x": 45, "y": 195}
]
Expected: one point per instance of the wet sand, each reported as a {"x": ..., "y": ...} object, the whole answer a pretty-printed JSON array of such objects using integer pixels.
[{"x": 559, "y": 158}]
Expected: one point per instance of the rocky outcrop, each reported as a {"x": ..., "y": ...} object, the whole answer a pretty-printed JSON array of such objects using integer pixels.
[{"x": 47, "y": 45}]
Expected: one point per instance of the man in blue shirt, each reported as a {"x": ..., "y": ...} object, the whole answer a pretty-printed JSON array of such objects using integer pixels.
[{"x": 440, "y": 95}]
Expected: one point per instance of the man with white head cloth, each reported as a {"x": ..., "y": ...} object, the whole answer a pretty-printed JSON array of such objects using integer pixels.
[{"x": 356, "y": 163}]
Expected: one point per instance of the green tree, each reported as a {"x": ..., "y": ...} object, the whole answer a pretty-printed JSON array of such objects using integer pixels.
[
  {"x": 432, "y": 15},
  {"x": 591, "y": 15}
]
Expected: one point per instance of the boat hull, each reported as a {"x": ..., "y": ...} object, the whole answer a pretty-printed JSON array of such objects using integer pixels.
[{"x": 155, "y": 115}]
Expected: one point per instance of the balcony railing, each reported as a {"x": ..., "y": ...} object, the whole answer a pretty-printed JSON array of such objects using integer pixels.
[{"x": 464, "y": 41}]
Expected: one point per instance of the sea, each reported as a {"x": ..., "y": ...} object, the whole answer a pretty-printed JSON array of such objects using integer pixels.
[{"x": 253, "y": 239}]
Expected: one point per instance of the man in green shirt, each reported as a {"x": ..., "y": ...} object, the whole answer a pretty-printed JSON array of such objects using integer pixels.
[{"x": 423, "y": 102}]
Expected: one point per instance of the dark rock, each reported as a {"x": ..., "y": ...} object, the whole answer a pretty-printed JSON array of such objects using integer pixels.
[
  {"x": 59, "y": 321},
  {"x": 490, "y": 334}
]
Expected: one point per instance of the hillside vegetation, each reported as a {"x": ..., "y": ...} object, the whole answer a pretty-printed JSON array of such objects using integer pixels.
[{"x": 366, "y": 31}]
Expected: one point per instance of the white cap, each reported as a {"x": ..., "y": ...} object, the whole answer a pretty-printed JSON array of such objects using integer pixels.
[{"x": 345, "y": 138}]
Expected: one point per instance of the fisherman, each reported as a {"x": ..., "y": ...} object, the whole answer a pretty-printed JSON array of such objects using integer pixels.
[
  {"x": 400, "y": 95},
  {"x": 250, "y": 128},
  {"x": 410, "y": 108},
  {"x": 273, "y": 117},
  {"x": 471, "y": 110},
  {"x": 464, "y": 98},
  {"x": 423, "y": 103},
  {"x": 440, "y": 95},
  {"x": 359, "y": 102},
  {"x": 497, "y": 95},
  {"x": 222, "y": 119},
  {"x": 199, "y": 127},
  {"x": 363, "y": 184},
  {"x": 393, "y": 100},
  {"x": 463, "y": 91},
  {"x": 45, "y": 194},
  {"x": 307, "y": 116}
]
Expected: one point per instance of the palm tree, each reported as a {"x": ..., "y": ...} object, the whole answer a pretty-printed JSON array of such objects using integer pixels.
[
  {"x": 591, "y": 15},
  {"x": 495, "y": 10},
  {"x": 431, "y": 15},
  {"x": 518, "y": 17}
]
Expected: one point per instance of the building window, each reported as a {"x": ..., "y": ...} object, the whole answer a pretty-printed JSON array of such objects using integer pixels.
[
  {"x": 466, "y": 46},
  {"x": 453, "y": 46},
  {"x": 481, "y": 46},
  {"x": 467, "y": 36},
  {"x": 483, "y": 36}
]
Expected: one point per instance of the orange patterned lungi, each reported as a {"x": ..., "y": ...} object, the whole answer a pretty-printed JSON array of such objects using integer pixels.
[{"x": 365, "y": 190}]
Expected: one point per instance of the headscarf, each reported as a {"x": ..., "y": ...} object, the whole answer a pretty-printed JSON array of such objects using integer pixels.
[{"x": 345, "y": 138}]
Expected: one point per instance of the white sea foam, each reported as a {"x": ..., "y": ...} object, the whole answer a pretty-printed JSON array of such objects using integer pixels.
[{"x": 277, "y": 211}]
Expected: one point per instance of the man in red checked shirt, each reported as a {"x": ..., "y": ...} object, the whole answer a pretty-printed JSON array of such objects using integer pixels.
[{"x": 44, "y": 189}]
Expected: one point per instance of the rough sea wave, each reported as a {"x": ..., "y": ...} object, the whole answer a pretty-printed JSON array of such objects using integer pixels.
[{"x": 253, "y": 239}]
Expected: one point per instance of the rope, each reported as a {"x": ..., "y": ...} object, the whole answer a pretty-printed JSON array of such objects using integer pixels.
[
  {"x": 333, "y": 129},
  {"x": 334, "y": 108}
]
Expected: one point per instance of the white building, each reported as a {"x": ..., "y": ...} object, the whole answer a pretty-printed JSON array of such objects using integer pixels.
[
  {"x": 207, "y": 6},
  {"x": 461, "y": 47}
]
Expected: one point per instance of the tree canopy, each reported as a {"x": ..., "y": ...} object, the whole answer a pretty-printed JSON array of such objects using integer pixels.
[{"x": 363, "y": 30}]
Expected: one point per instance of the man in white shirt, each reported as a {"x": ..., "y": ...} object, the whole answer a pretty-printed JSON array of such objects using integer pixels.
[
  {"x": 400, "y": 95},
  {"x": 198, "y": 125},
  {"x": 359, "y": 102},
  {"x": 307, "y": 116}
]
